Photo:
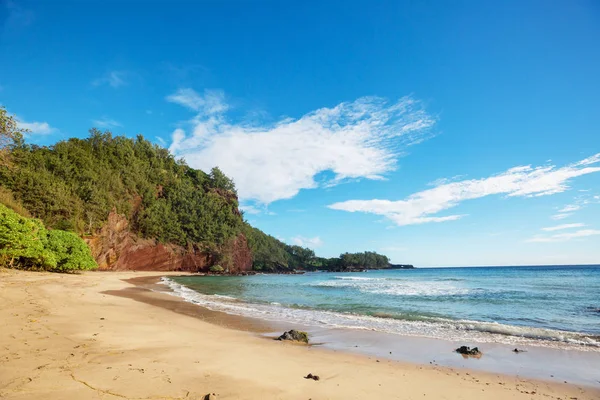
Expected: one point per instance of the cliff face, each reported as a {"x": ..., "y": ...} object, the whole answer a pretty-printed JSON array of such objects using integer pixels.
[{"x": 117, "y": 248}]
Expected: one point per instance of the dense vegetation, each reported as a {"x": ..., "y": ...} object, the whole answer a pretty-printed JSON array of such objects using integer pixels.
[
  {"x": 25, "y": 243},
  {"x": 75, "y": 184}
]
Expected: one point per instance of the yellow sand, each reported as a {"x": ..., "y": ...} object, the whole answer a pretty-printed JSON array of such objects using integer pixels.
[{"x": 62, "y": 338}]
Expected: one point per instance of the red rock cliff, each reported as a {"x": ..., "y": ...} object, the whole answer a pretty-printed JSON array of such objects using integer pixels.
[{"x": 117, "y": 248}]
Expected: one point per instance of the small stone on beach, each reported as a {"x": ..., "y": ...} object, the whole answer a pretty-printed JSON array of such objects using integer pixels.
[
  {"x": 295, "y": 336},
  {"x": 467, "y": 351},
  {"x": 313, "y": 377}
]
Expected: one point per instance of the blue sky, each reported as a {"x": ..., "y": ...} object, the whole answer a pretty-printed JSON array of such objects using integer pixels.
[{"x": 452, "y": 133}]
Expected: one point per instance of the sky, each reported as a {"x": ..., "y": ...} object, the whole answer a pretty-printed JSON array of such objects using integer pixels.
[{"x": 438, "y": 133}]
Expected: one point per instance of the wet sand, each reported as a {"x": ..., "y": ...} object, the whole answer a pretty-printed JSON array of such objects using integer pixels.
[{"x": 101, "y": 335}]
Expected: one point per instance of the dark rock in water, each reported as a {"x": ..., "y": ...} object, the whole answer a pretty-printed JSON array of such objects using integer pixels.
[
  {"x": 519, "y": 351},
  {"x": 313, "y": 377},
  {"x": 295, "y": 336},
  {"x": 467, "y": 351}
]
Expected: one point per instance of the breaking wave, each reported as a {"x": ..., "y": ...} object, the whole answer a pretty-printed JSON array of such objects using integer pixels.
[{"x": 410, "y": 325}]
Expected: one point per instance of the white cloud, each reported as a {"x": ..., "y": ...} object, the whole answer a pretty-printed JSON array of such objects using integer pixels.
[
  {"x": 393, "y": 249},
  {"x": 106, "y": 123},
  {"x": 307, "y": 242},
  {"x": 558, "y": 217},
  {"x": 255, "y": 209},
  {"x": 250, "y": 209},
  {"x": 359, "y": 139},
  {"x": 213, "y": 101},
  {"x": 36, "y": 128},
  {"x": 563, "y": 226},
  {"x": 161, "y": 141},
  {"x": 422, "y": 207},
  {"x": 563, "y": 237},
  {"x": 114, "y": 79},
  {"x": 580, "y": 201},
  {"x": 569, "y": 208}
]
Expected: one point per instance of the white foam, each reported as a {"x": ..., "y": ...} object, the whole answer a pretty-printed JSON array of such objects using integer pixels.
[
  {"x": 222, "y": 296},
  {"x": 438, "y": 328},
  {"x": 395, "y": 287}
]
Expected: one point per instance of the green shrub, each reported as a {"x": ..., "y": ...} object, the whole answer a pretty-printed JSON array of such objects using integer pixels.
[
  {"x": 216, "y": 269},
  {"x": 26, "y": 244},
  {"x": 70, "y": 251},
  {"x": 23, "y": 242}
]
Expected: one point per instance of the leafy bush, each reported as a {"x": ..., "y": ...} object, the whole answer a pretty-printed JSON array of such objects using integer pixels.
[
  {"x": 70, "y": 251},
  {"x": 216, "y": 269},
  {"x": 26, "y": 244}
]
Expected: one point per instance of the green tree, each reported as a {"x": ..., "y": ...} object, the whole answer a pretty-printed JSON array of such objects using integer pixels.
[
  {"x": 10, "y": 135},
  {"x": 220, "y": 181}
]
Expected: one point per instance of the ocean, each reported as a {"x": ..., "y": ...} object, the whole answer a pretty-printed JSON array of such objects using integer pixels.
[{"x": 549, "y": 306}]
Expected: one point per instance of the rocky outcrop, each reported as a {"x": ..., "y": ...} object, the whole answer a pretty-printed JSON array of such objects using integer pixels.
[
  {"x": 294, "y": 336},
  {"x": 115, "y": 247},
  {"x": 467, "y": 351},
  {"x": 236, "y": 256}
]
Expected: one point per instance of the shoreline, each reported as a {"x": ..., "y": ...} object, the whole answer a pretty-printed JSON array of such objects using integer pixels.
[
  {"x": 73, "y": 337},
  {"x": 568, "y": 364}
]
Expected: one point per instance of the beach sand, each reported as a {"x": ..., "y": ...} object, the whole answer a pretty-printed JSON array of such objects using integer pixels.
[{"x": 99, "y": 336}]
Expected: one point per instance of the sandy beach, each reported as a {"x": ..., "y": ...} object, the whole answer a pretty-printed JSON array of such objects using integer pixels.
[{"x": 99, "y": 336}]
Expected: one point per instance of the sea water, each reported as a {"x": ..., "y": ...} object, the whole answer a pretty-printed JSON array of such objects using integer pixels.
[{"x": 550, "y": 306}]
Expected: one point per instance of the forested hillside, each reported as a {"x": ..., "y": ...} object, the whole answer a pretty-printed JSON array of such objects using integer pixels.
[{"x": 75, "y": 185}]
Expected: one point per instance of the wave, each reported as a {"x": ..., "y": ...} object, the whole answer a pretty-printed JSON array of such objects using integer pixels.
[
  {"x": 395, "y": 287},
  {"x": 357, "y": 278},
  {"x": 409, "y": 324},
  {"x": 449, "y": 279},
  {"x": 222, "y": 296}
]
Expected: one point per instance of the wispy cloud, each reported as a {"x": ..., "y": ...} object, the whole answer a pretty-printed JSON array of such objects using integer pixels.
[
  {"x": 579, "y": 202},
  {"x": 563, "y": 237},
  {"x": 250, "y": 209},
  {"x": 523, "y": 181},
  {"x": 563, "y": 226},
  {"x": 393, "y": 249},
  {"x": 212, "y": 102},
  {"x": 114, "y": 79},
  {"x": 558, "y": 217},
  {"x": 105, "y": 122},
  {"x": 17, "y": 18},
  {"x": 307, "y": 242},
  {"x": 256, "y": 209},
  {"x": 36, "y": 128},
  {"x": 359, "y": 139},
  {"x": 569, "y": 208}
]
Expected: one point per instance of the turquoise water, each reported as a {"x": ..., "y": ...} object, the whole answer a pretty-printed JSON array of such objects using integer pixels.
[{"x": 555, "y": 306}]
